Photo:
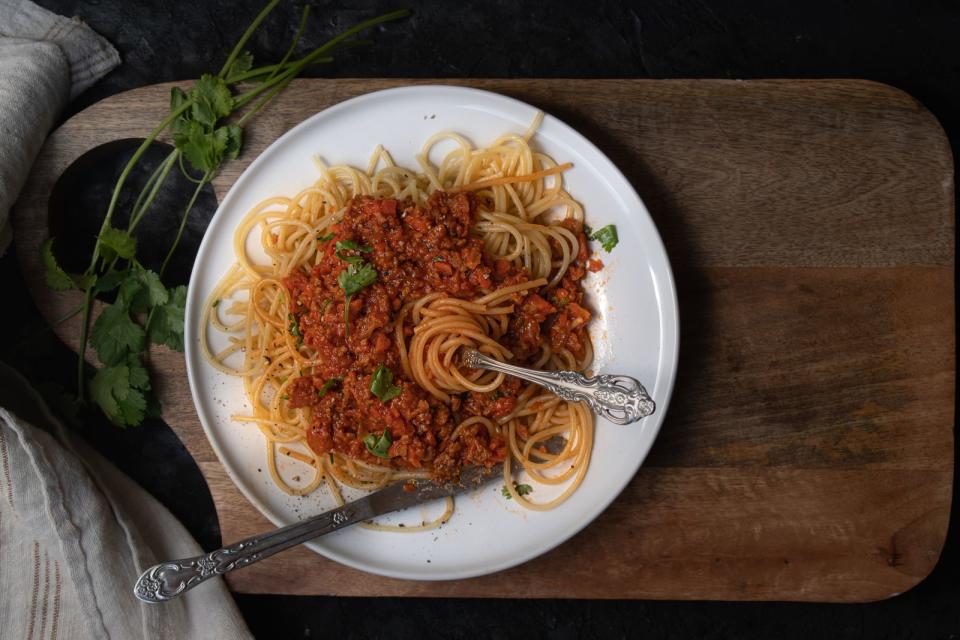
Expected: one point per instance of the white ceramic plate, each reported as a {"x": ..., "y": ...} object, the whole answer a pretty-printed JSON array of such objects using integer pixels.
[{"x": 635, "y": 331}]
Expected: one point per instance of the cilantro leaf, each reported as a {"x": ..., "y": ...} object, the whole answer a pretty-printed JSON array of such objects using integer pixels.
[
  {"x": 241, "y": 64},
  {"x": 381, "y": 385},
  {"x": 234, "y": 141},
  {"x": 117, "y": 242},
  {"x": 152, "y": 294},
  {"x": 205, "y": 149},
  {"x": 294, "y": 328},
  {"x": 57, "y": 278},
  {"x": 352, "y": 279},
  {"x": 115, "y": 335},
  {"x": 110, "y": 280},
  {"x": 211, "y": 100},
  {"x": 329, "y": 384},
  {"x": 378, "y": 446},
  {"x": 326, "y": 238},
  {"x": 350, "y": 245},
  {"x": 356, "y": 277},
  {"x": 607, "y": 237},
  {"x": 129, "y": 288},
  {"x": 108, "y": 387},
  {"x": 133, "y": 408},
  {"x": 138, "y": 376},
  {"x": 113, "y": 392},
  {"x": 166, "y": 325},
  {"x": 190, "y": 138},
  {"x": 522, "y": 490}
]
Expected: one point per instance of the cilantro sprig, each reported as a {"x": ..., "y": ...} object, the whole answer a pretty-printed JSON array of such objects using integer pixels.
[
  {"x": 381, "y": 385},
  {"x": 206, "y": 124},
  {"x": 357, "y": 276}
]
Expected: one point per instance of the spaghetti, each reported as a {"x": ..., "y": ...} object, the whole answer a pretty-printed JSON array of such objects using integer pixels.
[{"x": 347, "y": 335}]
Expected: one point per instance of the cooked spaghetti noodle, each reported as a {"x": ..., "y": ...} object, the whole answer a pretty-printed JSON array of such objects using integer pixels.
[{"x": 347, "y": 337}]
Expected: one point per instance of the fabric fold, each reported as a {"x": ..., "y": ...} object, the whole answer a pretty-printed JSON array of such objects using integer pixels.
[
  {"x": 45, "y": 61},
  {"x": 75, "y": 533}
]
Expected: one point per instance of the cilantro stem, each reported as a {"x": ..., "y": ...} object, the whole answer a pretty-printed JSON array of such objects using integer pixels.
[
  {"x": 88, "y": 292},
  {"x": 183, "y": 223},
  {"x": 146, "y": 188},
  {"x": 261, "y": 103},
  {"x": 186, "y": 172},
  {"x": 297, "y": 66},
  {"x": 126, "y": 173},
  {"x": 293, "y": 43},
  {"x": 271, "y": 69},
  {"x": 161, "y": 175},
  {"x": 253, "y": 73},
  {"x": 238, "y": 48}
]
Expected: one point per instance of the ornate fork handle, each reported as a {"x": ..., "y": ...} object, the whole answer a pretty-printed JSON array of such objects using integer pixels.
[
  {"x": 170, "y": 579},
  {"x": 619, "y": 399}
]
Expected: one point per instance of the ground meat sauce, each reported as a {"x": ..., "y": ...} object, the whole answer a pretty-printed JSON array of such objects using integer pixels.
[{"x": 415, "y": 251}]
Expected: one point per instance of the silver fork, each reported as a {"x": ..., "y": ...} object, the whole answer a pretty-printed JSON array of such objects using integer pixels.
[{"x": 620, "y": 399}]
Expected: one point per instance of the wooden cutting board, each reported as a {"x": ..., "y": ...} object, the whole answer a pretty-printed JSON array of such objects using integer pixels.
[{"x": 808, "y": 450}]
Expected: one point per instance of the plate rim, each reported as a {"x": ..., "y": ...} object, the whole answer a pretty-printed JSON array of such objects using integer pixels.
[{"x": 664, "y": 287}]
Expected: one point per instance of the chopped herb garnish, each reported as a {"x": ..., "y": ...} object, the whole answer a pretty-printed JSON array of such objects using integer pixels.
[
  {"x": 439, "y": 259},
  {"x": 382, "y": 384},
  {"x": 330, "y": 453},
  {"x": 329, "y": 384},
  {"x": 352, "y": 279},
  {"x": 326, "y": 238},
  {"x": 587, "y": 230},
  {"x": 295, "y": 329},
  {"x": 607, "y": 237},
  {"x": 378, "y": 446},
  {"x": 350, "y": 245},
  {"x": 216, "y": 303},
  {"x": 323, "y": 307},
  {"x": 285, "y": 397},
  {"x": 522, "y": 489}
]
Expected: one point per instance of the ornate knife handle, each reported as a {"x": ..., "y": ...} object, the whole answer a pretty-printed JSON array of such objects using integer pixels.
[
  {"x": 168, "y": 580},
  {"x": 619, "y": 399}
]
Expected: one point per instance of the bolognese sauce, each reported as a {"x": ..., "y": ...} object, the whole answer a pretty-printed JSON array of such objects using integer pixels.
[{"x": 415, "y": 251}]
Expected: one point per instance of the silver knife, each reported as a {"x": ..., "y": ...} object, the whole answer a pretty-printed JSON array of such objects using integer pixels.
[{"x": 168, "y": 580}]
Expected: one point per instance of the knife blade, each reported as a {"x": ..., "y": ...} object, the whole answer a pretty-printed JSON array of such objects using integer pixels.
[{"x": 168, "y": 580}]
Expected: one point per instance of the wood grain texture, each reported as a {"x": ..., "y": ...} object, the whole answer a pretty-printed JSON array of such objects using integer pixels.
[{"x": 808, "y": 450}]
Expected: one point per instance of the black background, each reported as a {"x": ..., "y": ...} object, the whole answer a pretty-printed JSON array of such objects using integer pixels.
[{"x": 911, "y": 45}]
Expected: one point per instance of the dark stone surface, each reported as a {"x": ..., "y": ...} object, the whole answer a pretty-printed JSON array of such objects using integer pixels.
[{"x": 910, "y": 45}]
